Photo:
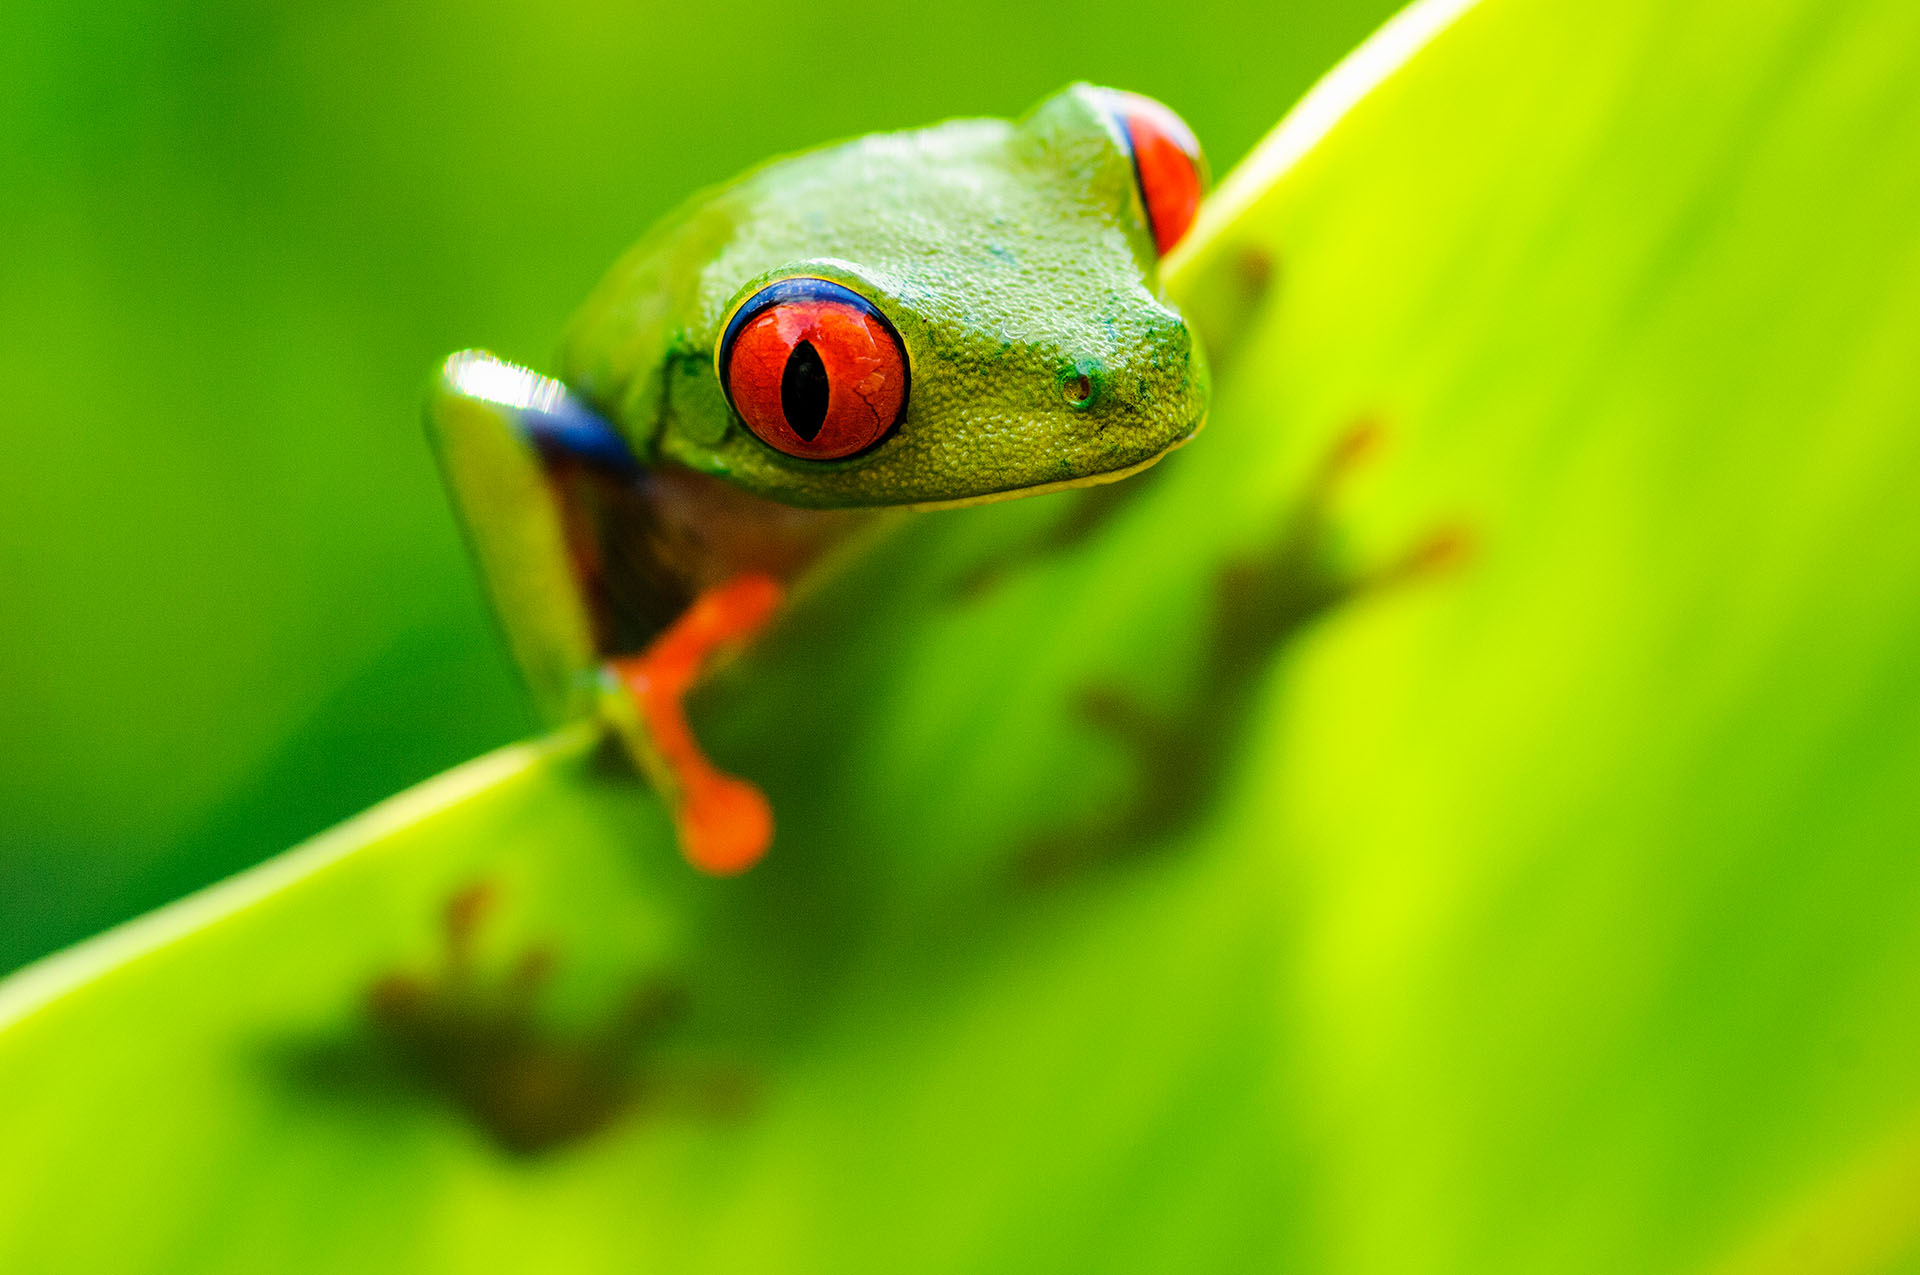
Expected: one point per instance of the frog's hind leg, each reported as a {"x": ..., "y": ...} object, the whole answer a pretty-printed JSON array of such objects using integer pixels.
[
  {"x": 484, "y": 417},
  {"x": 584, "y": 582}
]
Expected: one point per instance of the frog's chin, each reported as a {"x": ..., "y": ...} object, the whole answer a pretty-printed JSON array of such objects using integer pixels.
[{"x": 1064, "y": 484}]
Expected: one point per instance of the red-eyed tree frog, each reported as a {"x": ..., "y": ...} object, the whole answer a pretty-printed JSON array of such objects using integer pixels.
[{"x": 964, "y": 313}]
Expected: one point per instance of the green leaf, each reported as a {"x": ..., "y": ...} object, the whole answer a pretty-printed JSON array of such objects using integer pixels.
[{"x": 1543, "y": 906}]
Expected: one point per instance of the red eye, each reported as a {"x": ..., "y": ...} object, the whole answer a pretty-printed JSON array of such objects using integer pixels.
[
  {"x": 813, "y": 369},
  {"x": 1167, "y": 164}
]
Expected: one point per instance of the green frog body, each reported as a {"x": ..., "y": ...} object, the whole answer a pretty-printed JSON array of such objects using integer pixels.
[{"x": 963, "y": 313}]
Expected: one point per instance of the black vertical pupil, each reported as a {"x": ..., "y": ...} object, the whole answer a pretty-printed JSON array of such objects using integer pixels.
[{"x": 803, "y": 391}]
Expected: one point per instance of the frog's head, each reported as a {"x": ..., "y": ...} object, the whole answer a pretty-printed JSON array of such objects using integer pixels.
[{"x": 963, "y": 313}]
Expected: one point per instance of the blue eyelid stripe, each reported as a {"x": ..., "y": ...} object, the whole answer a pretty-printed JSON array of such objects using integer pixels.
[{"x": 802, "y": 288}]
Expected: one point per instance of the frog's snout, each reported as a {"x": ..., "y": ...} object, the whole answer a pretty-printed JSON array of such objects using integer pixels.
[{"x": 1152, "y": 381}]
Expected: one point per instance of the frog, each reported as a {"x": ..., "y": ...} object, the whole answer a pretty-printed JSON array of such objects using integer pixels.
[{"x": 929, "y": 319}]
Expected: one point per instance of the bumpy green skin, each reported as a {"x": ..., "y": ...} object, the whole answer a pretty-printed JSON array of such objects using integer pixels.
[{"x": 1013, "y": 259}]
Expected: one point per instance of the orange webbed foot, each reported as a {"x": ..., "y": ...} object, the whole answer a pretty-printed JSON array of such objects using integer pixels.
[{"x": 724, "y": 823}]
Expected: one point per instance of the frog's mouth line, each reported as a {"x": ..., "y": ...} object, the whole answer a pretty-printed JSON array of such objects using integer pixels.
[{"x": 1065, "y": 484}]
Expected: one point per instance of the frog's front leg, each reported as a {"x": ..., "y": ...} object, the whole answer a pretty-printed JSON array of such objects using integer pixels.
[
  {"x": 610, "y": 604},
  {"x": 724, "y": 823}
]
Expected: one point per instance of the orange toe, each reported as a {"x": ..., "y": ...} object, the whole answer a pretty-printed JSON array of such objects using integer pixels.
[{"x": 725, "y": 825}]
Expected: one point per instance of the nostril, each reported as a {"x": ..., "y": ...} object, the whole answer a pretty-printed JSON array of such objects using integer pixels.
[{"x": 1081, "y": 383}]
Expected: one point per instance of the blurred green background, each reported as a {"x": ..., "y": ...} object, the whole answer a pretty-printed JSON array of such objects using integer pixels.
[
  {"x": 1559, "y": 913},
  {"x": 237, "y": 236}
]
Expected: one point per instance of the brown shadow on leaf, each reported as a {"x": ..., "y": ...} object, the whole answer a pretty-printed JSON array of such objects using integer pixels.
[
  {"x": 1260, "y": 603},
  {"x": 474, "y": 1040}
]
